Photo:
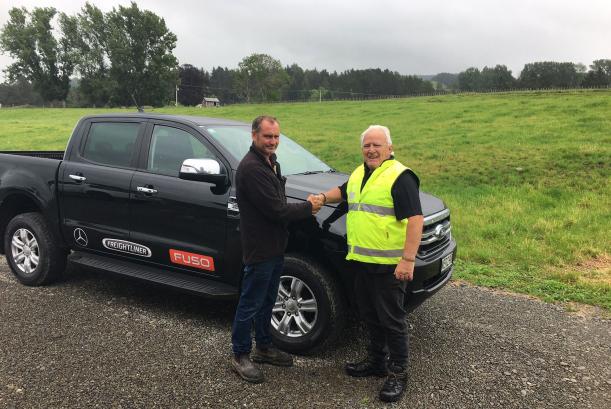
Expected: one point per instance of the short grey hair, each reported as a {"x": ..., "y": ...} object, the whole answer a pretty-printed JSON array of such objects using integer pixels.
[{"x": 379, "y": 128}]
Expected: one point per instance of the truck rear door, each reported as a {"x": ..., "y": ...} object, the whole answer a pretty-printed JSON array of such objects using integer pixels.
[
  {"x": 95, "y": 184},
  {"x": 183, "y": 222}
]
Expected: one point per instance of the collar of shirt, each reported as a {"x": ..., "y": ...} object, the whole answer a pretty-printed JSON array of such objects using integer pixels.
[{"x": 368, "y": 171}]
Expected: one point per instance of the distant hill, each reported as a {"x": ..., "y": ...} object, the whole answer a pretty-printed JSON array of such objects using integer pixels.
[
  {"x": 447, "y": 79},
  {"x": 426, "y": 77}
]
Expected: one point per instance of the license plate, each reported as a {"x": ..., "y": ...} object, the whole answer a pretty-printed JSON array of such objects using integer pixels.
[{"x": 446, "y": 262}]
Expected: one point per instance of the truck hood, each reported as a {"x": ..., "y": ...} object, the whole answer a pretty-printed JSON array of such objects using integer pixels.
[{"x": 300, "y": 186}]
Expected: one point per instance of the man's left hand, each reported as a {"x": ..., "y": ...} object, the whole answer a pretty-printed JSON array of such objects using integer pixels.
[{"x": 404, "y": 270}]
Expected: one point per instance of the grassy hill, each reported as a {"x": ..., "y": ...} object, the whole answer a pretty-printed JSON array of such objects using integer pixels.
[{"x": 526, "y": 175}]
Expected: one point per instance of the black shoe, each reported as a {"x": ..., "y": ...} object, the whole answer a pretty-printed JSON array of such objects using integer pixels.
[
  {"x": 368, "y": 367},
  {"x": 272, "y": 356},
  {"x": 395, "y": 384},
  {"x": 244, "y": 367}
]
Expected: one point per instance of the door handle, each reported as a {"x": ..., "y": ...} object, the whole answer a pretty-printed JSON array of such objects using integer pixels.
[
  {"x": 146, "y": 190},
  {"x": 78, "y": 178}
]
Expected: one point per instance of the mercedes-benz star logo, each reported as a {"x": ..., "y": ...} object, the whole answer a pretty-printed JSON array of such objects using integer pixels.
[{"x": 80, "y": 237}]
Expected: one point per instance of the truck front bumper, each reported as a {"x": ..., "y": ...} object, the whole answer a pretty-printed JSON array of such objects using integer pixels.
[{"x": 428, "y": 277}]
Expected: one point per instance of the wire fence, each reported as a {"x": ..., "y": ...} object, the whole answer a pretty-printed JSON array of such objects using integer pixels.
[{"x": 327, "y": 95}]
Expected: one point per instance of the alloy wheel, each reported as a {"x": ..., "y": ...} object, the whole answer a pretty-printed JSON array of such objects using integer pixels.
[
  {"x": 296, "y": 309},
  {"x": 25, "y": 251}
]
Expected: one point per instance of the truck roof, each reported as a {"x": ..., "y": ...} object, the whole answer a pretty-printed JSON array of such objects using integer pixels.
[{"x": 192, "y": 119}]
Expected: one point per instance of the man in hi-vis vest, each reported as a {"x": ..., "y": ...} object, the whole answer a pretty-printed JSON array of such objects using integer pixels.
[{"x": 384, "y": 225}]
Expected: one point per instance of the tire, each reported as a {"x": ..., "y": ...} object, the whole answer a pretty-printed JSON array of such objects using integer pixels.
[
  {"x": 310, "y": 311},
  {"x": 31, "y": 250}
]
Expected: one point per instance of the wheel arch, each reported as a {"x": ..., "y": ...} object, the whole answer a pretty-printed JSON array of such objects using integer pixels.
[
  {"x": 12, "y": 205},
  {"x": 329, "y": 251}
]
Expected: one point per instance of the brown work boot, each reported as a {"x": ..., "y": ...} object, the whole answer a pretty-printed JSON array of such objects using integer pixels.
[
  {"x": 244, "y": 367},
  {"x": 273, "y": 356}
]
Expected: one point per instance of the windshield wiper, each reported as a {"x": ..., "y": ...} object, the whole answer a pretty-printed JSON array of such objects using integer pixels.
[{"x": 309, "y": 172}]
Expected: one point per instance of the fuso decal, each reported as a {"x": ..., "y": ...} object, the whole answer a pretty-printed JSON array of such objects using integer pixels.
[
  {"x": 127, "y": 247},
  {"x": 192, "y": 260}
]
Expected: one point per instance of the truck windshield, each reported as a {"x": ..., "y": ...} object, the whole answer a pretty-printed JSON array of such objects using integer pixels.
[{"x": 292, "y": 157}]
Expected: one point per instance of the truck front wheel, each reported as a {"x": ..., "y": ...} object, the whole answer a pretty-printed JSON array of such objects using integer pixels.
[
  {"x": 310, "y": 310},
  {"x": 31, "y": 251}
]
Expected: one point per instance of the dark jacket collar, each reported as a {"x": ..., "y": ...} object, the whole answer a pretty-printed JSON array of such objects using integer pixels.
[
  {"x": 272, "y": 164},
  {"x": 261, "y": 157}
]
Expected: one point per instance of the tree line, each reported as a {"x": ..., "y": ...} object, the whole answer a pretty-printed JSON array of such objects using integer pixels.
[
  {"x": 125, "y": 57},
  {"x": 537, "y": 75},
  {"x": 261, "y": 78}
]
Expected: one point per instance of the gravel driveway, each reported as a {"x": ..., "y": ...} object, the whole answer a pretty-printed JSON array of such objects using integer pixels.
[{"x": 99, "y": 341}]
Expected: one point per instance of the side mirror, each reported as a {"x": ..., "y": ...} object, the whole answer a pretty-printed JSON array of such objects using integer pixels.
[{"x": 203, "y": 170}]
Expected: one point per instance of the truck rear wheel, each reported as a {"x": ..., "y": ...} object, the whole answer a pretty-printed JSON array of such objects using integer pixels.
[
  {"x": 310, "y": 311},
  {"x": 31, "y": 251}
]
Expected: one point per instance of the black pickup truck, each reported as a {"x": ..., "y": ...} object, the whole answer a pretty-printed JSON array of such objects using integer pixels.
[{"x": 152, "y": 197}]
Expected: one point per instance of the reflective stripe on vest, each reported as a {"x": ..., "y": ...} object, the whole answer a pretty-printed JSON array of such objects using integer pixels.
[
  {"x": 381, "y": 210},
  {"x": 377, "y": 253},
  {"x": 374, "y": 233}
]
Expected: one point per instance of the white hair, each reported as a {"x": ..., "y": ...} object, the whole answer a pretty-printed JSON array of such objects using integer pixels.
[{"x": 379, "y": 128}]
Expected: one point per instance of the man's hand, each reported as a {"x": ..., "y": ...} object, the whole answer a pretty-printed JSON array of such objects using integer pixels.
[
  {"x": 405, "y": 270},
  {"x": 317, "y": 202}
]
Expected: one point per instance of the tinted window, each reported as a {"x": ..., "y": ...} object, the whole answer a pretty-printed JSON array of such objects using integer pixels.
[
  {"x": 111, "y": 143},
  {"x": 170, "y": 147}
]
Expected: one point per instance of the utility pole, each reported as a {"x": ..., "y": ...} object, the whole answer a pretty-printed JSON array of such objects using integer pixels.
[
  {"x": 319, "y": 94},
  {"x": 176, "y": 102}
]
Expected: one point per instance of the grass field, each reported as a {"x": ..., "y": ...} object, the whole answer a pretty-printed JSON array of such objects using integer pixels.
[{"x": 526, "y": 175}]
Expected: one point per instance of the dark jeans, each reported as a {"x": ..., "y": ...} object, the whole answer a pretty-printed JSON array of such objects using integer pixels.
[
  {"x": 259, "y": 292},
  {"x": 380, "y": 302}
]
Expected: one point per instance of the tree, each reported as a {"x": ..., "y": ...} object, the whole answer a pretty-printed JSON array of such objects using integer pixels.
[
  {"x": 20, "y": 92},
  {"x": 549, "y": 74},
  {"x": 296, "y": 88},
  {"x": 599, "y": 74},
  {"x": 497, "y": 78},
  {"x": 40, "y": 58},
  {"x": 469, "y": 80},
  {"x": 193, "y": 81},
  {"x": 222, "y": 81},
  {"x": 139, "y": 46},
  {"x": 86, "y": 35},
  {"x": 260, "y": 78}
]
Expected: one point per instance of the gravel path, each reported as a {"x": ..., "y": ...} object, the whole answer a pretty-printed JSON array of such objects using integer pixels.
[{"x": 98, "y": 341}]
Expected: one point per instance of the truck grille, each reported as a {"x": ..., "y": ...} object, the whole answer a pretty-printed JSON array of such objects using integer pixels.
[{"x": 436, "y": 234}]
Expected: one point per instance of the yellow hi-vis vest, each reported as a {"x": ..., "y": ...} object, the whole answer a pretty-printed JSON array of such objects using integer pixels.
[{"x": 374, "y": 233}]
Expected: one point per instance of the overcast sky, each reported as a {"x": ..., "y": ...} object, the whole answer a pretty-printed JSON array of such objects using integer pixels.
[{"x": 424, "y": 37}]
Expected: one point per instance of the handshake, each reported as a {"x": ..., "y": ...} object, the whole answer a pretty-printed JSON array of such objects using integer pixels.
[{"x": 317, "y": 200}]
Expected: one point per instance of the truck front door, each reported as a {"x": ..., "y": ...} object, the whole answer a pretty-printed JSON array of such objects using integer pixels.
[{"x": 181, "y": 221}]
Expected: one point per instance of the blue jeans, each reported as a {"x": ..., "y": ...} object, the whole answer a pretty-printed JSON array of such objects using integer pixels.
[{"x": 259, "y": 292}]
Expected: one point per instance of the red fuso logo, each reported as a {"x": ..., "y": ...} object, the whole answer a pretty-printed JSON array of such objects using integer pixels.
[{"x": 192, "y": 260}]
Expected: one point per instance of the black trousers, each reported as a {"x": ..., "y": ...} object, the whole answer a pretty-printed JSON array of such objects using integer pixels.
[{"x": 380, "y": 297}]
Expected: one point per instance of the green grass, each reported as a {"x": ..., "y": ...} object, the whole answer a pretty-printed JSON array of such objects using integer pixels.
[{"x": 526, "y": 175}]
